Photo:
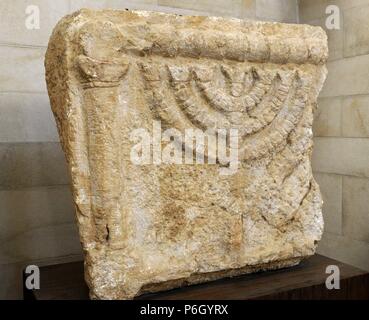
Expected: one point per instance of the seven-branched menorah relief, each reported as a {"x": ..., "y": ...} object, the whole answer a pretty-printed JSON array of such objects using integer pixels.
[{"x": 122, "y": 81}]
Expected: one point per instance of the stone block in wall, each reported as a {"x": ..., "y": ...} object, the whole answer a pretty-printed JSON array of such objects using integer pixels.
[
  {"x": 179, "y": 11},
  {"x": 281, "y": 11},
  {"x": 233, "y": 8},
  {"x": 13, "y": 21},
  {"x": 345, "y": 249},
  {"x": 347, "y": 156},
  {"x": 22, "y": 69},
  {"x": 26, "y": 117},
  {"x": 331, "y": 189},
  {"x": 50, "y": 241},
  {"x": 239, "y": 8},
  {"x": 310, "y": 10},
  {"x": 355, "y": 116},
  {"x": 315, "y": 9},
  {"x": 248, "y": 9},
  {"x": 345, "y": 4},
  {"x": 33, "y": 164},
  {"x": 327, "y": 118},
  {"x": 356, "y": 208},
  {"x": 356, "y": 26},
  {"x": 113, "y": 4},
  {"x": 347, "y": 77},
  {"x": 35, "y": 222},
  {"x": 147, "y": 5},
  {"x": 28, "y": 209}
]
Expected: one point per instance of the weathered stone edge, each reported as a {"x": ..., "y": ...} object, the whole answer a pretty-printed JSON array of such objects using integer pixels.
[{"x": 170, "y": 35}]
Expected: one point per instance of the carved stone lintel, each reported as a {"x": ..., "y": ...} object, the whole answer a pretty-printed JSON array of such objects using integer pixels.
[{"x": 164, "y": 223}]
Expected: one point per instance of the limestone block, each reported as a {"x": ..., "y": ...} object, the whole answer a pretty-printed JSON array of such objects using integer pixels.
[
  {"x": 311, "y": 9},
  {"x": 216, "y": 7},
  {"x": 37, "y": 223},
  {"x": 22, "y": 69},
  {"x": 36, "y": 164},
  {"x": 281, "y": 11},
  {"x": 356, "y": 31},
  {"x": 355, "y": 208},
  {"x": 50, "y": 241},
  {"x": 345, "y": 156},
  {"x": 26, "y": 117},
  {"x": 314, "y": 9},
  {"x": 352, "y": 74},
  {"x": 327, "y": 118},
  {"x": 355, "y": 116},
  {"x": 18, "y": 22},
  {"x": 112, "y": 4},
  {"x": 159, "y": 213},
  {"x": 34, "y": 208}
]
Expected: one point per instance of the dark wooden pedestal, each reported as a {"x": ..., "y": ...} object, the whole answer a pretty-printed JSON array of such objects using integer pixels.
[{"x": 305, "y": 281}]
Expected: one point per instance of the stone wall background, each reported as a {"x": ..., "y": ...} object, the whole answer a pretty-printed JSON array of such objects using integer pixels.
[
  {"x": 341, "y": 129},
  {"x": 36, "y": 212}
]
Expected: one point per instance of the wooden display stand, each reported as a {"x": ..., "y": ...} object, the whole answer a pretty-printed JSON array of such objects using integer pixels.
[{"x": 305, "y": 281}]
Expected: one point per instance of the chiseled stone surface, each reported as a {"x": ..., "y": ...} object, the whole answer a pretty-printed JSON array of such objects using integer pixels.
[{"x": 152, "y": 227}]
